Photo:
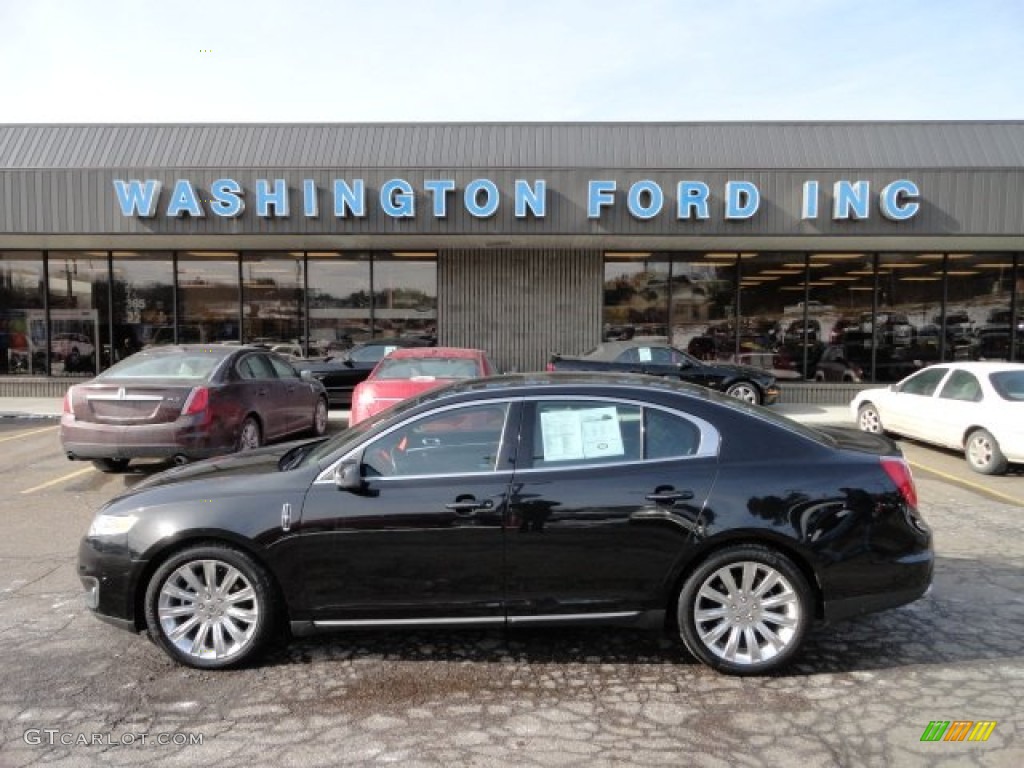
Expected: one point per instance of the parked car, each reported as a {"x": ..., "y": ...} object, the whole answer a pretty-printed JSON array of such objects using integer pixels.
[
  {"x": 751, "y": 384},
  {"x": 340, "y": 374},
  {"x": 833, "y": 365},
  {"x": 958, "y": 325},
  {"x": 188, "y": 402},
  {"x": 72, "y": 348},
  {"x": 894, "y": 329},
  {"x": 522, "y": 500},
  {"x": 797, "y": 332},
  {"x": 776, "y": 363},
  {"x": 977, "y": 408},
  {"x": 412, "y": 370},
  {"x": 994, "y": 336}
]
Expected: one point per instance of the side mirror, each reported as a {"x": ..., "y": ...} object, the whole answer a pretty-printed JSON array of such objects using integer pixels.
[
  {"x": 306, "y": 374},
  {"x": 894, "y": 387},
  {"x": 348, "y": 477}
]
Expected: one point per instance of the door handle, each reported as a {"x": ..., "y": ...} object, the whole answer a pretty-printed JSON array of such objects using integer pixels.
[
  {"x": 669, "y": 497},
  {"x": 468, "y": 506}
]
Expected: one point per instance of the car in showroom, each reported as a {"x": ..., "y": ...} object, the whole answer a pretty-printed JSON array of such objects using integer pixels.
[
  {"x": 973, "y": 407},
  {"x": 524, "y": 500},
  {"x": 754, "y": 385},
  {"x": 412, "y": 370},
  {"x": 188, "y": 402},
  {"x": 342, "y": 372}
]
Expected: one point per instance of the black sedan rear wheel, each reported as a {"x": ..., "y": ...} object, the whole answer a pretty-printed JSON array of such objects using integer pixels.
[
  {"x": 745, "y": 610},
  {"x": 210, "y": 606},
  {"x": 745, "y": 391}
]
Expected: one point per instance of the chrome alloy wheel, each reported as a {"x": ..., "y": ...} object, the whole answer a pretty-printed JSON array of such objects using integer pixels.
[
  {"x": 208, "y": 610},
  {"x": 745, "y": 392},
  {"x": 868, "y": 420},
  {"x": 747, "y": 613},
  {"x": 320, "y": 417},
  {"x": 249, "y": 439}
]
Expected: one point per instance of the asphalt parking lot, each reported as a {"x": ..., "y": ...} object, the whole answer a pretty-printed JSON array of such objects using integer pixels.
[{"x": 74, "y": 691}]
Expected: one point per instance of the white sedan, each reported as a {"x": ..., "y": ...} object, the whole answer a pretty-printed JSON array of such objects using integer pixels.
[{"x": 977, "y": 408}]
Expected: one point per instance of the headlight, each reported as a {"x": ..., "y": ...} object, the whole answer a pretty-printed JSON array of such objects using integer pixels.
[{"x": 111, "y": 525}]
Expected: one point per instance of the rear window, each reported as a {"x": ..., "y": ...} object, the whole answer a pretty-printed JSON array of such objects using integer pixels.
[
  {"x": 1009, "y": 384},
  {"x": 433, "y": 367},
  {"x": 190, "y": 365}
]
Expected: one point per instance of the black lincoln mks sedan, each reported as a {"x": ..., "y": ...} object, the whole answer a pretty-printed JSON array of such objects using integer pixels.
[{"x": 531, "y": 499}]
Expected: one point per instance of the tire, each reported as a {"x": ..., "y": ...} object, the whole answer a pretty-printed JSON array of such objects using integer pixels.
[
  {"x": 226, "y": 627},
  {"x": 320, "y": 417},
  {"x": 869, "y": 420},
  {"x": 250, "y": 436},
  {"x": 111, "y": 465},
  {"x": 745, "y": 391},
  {"x": 721, "y": 629},
  {"x": 983, "y": 453}
]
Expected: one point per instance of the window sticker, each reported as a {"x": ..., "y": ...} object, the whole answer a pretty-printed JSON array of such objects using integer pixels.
[
  {"x": 581, "y": 434},
  {"x": 645, "y": 354}
]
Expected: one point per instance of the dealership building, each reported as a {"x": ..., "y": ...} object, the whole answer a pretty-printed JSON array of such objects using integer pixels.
[{"x": 895, "y": 244}]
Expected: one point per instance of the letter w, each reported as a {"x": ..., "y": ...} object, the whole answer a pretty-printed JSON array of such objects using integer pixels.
[
  {"x": 935, "y": 730},
  {"x": 137, "y": 198}
]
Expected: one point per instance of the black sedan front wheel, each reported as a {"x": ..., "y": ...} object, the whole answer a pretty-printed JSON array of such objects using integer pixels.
[
  {"x": 745, "y": 610},
  {"x": 210, "y": 607},
  {"x": 745, "y": 391}
]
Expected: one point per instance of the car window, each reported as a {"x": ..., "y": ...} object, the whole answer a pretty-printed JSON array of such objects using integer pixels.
[
  {"x": 667, "y": 435},
  {"x": 923, "y": 383},
  {"x": 453, "y": 442},
  {"x": 256, "y": 367},
  {"x": 283, "y": 370},
  {"x": 961, "y": 385},
  {"x": 574, "y": 433},
  {"x": 372, "y": 353},
  {"x": 436, "y": 367},
  {"x": 1009, "y": 384},
  {"x": 186, "y": 365}
]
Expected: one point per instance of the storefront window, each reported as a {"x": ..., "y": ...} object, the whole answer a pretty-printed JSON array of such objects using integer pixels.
[
  {"x": 339, "y": 301},
  {"x": 272, "y": 298},
  {"x": 636, "y": 295},
  {"x": 143, "y": 300},
  {"x": 22, "y": 322},
  {"x": 208, "y": 299},
  {"x": 79, "y": 326},
  {"x": 405, "y": 294},
  {"x": 978, "y": 300},
  {"x": 703, "y": 307}
]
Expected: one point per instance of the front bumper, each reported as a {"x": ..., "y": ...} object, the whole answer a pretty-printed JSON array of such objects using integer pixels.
[
  {"x": 109, "y": 577},
  {"x": 771, "y": 395}
]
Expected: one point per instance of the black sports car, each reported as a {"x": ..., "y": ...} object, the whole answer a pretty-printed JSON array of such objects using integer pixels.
[
  {"x": 340, "y": 374},
  {"x": 654, "y": 358},
  {"x": 530, "y": 499}
]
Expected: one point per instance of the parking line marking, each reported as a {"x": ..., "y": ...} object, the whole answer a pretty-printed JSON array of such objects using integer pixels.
[
  {"x": 973, "y": 486},
  {"x": 59, "y": 480},
  {"x": 26, "y": 434}
]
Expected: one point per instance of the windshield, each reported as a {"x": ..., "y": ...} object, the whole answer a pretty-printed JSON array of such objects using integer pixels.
[{"x": 191, "y": 364}]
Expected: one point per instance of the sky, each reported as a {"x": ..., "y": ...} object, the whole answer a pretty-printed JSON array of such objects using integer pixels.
[{"x": 497, "y": 60}]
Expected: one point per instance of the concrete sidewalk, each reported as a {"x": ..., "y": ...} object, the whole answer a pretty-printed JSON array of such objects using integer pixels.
[{"x": 49, "y": 407}]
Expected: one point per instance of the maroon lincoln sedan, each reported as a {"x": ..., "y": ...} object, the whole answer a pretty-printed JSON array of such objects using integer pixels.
[{"x": 189, "y": 402}]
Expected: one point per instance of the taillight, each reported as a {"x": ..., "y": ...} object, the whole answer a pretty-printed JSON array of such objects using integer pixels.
[
  {"x": 899, "y": 472},
  {"x": 198, "y": 401},
  {"x": 67, "y": 402},
  {"x": 549, "y": 367}
]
